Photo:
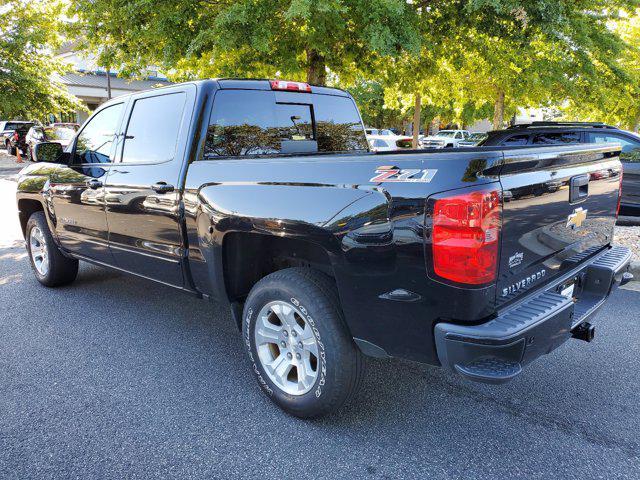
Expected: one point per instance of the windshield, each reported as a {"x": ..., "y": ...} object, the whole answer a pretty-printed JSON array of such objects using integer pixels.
[
  {"x": 60, "y": 133},
  {"x": 18, "y": 125},
  {"x": 446, "y": 133}
]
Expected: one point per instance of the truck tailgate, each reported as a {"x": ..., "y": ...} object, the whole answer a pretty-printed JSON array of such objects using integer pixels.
[{"x": 559, "y": 209}]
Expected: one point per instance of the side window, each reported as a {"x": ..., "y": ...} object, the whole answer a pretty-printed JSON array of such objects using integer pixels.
[
  {"x": 516, "y": 140},
  {"x": 630, "y": 148},
  {"x": 555, "y": 138},
  {"x": 96, "y": 138},
  {"x": 250, "y": 122},
  {"x": 153, "y": 128},
  {"x": 458, "y": 135}
]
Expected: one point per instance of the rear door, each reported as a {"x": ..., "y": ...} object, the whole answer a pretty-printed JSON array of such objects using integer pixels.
[
  {"x": 559, "y": 208},
  {"x": 143, "y": 189}
]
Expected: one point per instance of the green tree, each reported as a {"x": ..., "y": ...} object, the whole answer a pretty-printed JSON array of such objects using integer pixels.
[
  {"x": 376, "y": 112},
  {"x": 29, "y": 33},
  {"x": 510, "y": 53},
  {"x": 300, "y": 39},
  {"x": 610, "y": 100}
]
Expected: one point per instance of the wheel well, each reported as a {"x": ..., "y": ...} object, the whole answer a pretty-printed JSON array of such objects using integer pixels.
[
  {"x": 248, "y": 257},
  {"x": 27, "y": 208}
]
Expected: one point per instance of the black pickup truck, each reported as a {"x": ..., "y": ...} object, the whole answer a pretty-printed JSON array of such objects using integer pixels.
[{"x": 263, "y": 195}]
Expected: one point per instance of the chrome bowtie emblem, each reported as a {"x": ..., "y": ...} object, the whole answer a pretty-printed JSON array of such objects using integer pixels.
[{"x": 578, "y": 216}]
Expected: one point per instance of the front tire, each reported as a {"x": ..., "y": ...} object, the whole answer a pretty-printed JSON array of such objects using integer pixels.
[
  {"x": 10, "y": 150},
  {"x": 51, "y": 268},
  {"x": 301, "y": 351}
]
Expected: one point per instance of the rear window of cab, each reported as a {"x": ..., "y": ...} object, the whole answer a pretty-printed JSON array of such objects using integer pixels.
[{"x": 258, "y": 122}]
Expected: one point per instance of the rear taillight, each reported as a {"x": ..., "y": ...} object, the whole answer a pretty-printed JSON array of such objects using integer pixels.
[
  {"x": 466, "y": 233},
  {"x": 619, "y": 195},
  {"x": 290, "y": 86}
]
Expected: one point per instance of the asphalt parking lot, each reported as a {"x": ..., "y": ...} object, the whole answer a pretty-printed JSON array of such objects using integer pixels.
[{"x": 116, "y": 377}]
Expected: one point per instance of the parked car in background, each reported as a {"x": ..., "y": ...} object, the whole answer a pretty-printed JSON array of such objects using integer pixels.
[
  {"x": 566, "y": 133},
  {"x": 74, "y": 126},
  {"x": 388, "y": 143},
  {"x": 445, "y": 139},
  {"x": 16, "y": 141},
  {"x": 60, "y": 133},
  {"x": 7, "y": 129},
  {"x": 473, "y": 139},
  {"x": 379, "y": 132},
  {"x": 377, "y": 144}
]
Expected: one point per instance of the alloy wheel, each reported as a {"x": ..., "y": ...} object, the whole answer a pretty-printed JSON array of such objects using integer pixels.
[
  {"x": 38, "y": 249},
  {"x": 287, "y": 347}
]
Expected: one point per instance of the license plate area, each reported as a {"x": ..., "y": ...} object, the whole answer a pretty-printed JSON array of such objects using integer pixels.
[{"x": 568, "y": 289}]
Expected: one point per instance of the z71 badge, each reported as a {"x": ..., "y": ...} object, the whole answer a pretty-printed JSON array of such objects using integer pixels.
[{"x": 395, "y": 174}]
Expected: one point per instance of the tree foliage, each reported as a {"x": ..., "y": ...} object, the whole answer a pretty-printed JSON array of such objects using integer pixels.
[
  {"x": 298, "y": 38},
  {"x": 29, "y": 33},
  {"x": 467, "y": 59}
]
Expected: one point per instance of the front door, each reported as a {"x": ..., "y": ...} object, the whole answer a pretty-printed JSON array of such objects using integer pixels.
[
  {"x": 143, "y": 188},
  {"x": 77, "y": 189}
]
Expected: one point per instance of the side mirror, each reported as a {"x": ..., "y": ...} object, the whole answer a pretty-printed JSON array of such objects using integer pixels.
[{"x": 50, "y": 152}]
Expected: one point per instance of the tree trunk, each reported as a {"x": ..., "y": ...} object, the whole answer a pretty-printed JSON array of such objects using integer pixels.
[
  {"x": 108, "y": 83},
  {"x": 316, "y": 72},
  {"x": 416, "y": 121},
  {"x": 498, "y": 112}
]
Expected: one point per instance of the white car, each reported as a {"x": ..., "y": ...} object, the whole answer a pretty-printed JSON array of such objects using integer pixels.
[
  {"x": 377, "y": 144},
  {"x": 388, "y": 143},
  {"x": 445, "y": 139},
  {"x": 382, "y": 132}
]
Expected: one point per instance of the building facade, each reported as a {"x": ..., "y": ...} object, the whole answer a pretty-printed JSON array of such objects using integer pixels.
[{"x": 91, "y": 84}]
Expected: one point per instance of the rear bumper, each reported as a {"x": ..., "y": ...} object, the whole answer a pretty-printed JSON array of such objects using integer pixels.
[{"x": 497, "y": 351}]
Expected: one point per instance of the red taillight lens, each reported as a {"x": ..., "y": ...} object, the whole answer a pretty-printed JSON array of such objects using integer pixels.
[
  {"x": 290, "y": 86},
  {"x": 619, "y": 195},
  {"x": 466, "y": 232}
]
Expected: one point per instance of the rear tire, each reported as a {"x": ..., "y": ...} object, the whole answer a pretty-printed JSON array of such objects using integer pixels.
[
  {"x": 10, "y": 150},
  {"x": 301, "y": 351},
  {"x": 51, "y": 268}
]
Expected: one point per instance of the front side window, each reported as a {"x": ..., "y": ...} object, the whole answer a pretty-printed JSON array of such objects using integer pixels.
[
  {"x": 248, "y": 122},
  {"x": 96, "y": 138},
  {"x": 630, "y": 148},
  {"x": 555, "y": 138},
  {"x": 153, "y": 128}
]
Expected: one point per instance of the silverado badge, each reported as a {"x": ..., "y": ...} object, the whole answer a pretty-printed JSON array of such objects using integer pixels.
[
  {"x": 394, "y": 174},
  {"x": 578, "y": 216}
]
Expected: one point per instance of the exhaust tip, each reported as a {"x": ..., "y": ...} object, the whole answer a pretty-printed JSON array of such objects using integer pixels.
[{"x": 585, "y": 332}]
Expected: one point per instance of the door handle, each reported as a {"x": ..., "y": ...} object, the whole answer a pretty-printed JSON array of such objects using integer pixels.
[
  {"x": 162, "y": 187},
  {"x": 94, "y": 184},
  {"x": 579, "y": 188}
]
